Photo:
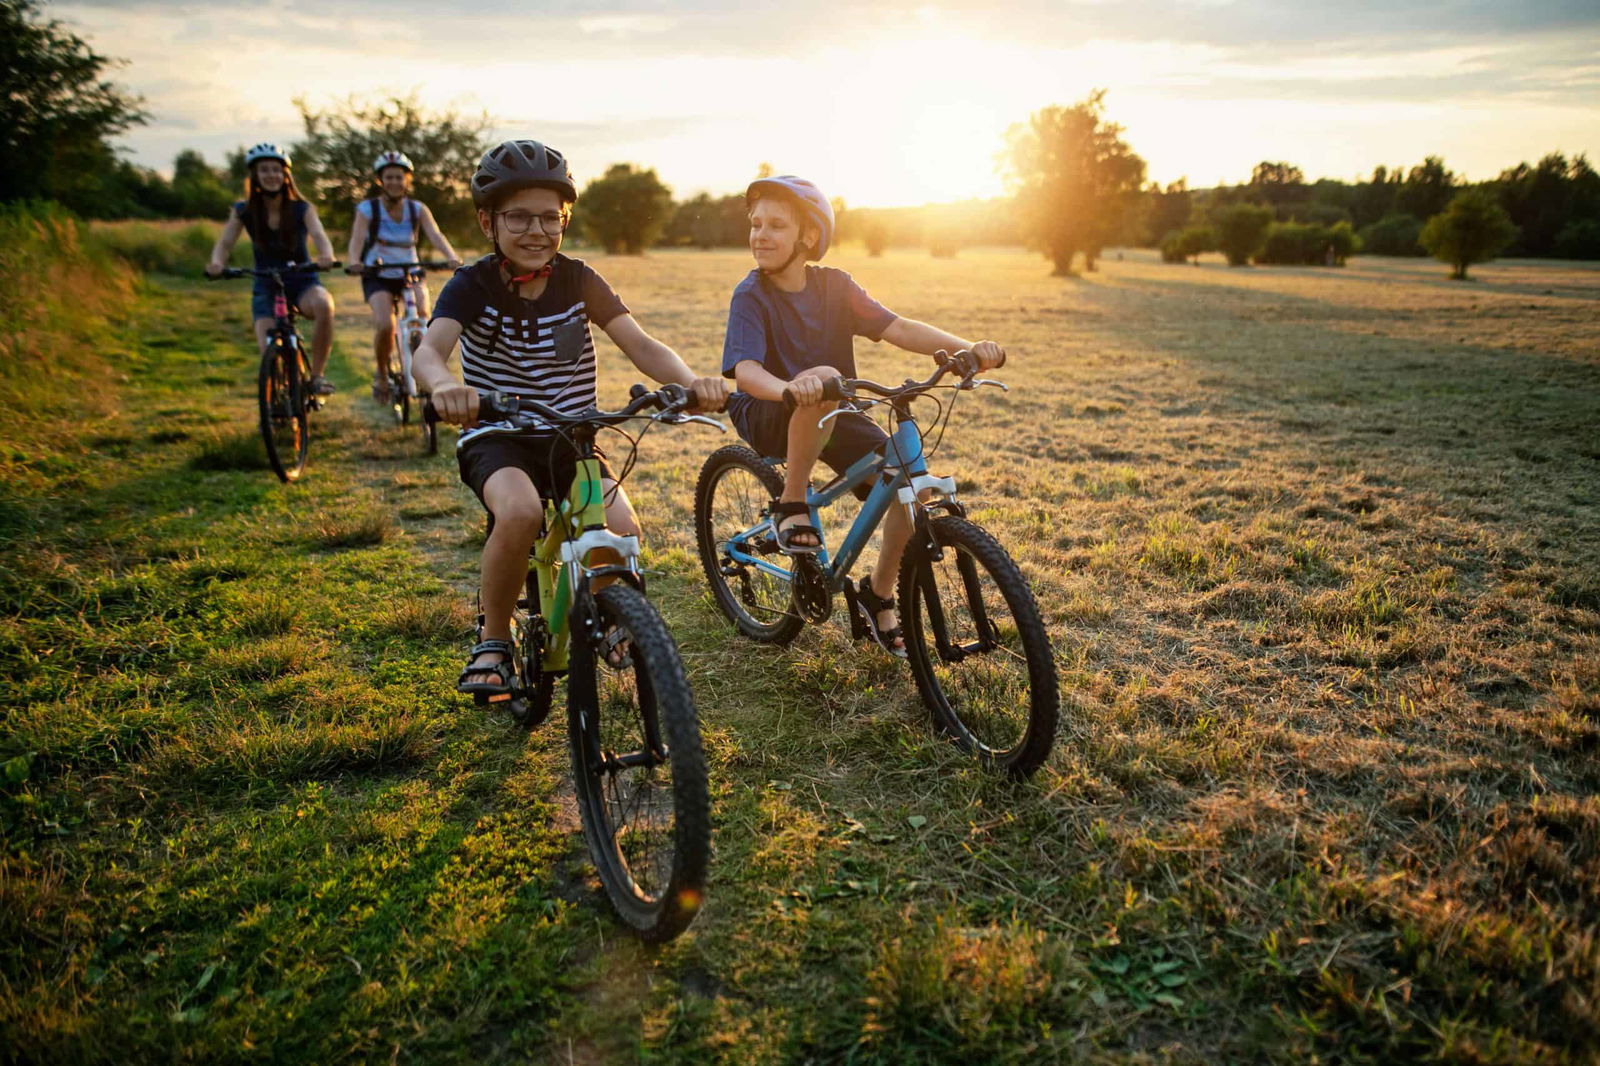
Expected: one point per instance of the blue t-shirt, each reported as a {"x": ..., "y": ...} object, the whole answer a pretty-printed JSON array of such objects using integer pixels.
[{"x": 787, "y": 332}]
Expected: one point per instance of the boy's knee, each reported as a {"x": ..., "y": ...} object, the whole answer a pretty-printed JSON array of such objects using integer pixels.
[{"x": 518, "y": 516}]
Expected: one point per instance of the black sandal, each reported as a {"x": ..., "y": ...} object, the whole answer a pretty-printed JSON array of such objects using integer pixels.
[
  {"x": 614, "y": 648},
  {"x": 780, "y": 509},
  {"x": 483, "y": 692},
  {"x": 870, "y": 603}
]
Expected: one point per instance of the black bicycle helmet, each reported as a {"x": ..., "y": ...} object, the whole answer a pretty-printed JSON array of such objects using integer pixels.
[{"x": 524, "y": 164}]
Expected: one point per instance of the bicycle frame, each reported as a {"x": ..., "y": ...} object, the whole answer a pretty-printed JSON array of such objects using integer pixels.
[
  {"x": 409, "y": 305},
  {"x": 911, "y": 478},
  {"x": 574, "y": 528}
]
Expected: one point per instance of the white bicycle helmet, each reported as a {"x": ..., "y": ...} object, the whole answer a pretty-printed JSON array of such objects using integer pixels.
[
  {"x": 392, "y": 159},
  {"x": 267, "y": 150}
]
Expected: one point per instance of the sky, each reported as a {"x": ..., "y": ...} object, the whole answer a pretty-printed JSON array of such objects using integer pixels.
[{"x": 884, "y": 104}]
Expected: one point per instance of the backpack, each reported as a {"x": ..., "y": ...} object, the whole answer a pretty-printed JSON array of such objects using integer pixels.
[{"x": 413, "y": 211}]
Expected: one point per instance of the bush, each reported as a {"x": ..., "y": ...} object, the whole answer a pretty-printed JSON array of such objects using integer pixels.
[
  {"x": 1394, "y": 234},
  {"x": 1182, "y": 245},
  {"x": 1305, "y": 244},
  {"x": 1241, "y": 230},
  {"x": 1473, "y": 229},
  {"x": 1579, "y": 240}
]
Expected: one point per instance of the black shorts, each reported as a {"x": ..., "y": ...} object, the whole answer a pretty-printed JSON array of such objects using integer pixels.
[
  {"x": 764, "y": 425},
  {"x": 549, "y": 460},
  {"x": 370, "y": 286}
]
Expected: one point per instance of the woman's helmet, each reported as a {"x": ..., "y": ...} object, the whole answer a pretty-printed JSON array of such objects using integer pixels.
[
  {"x": 267, "y": 150},
  {"x": 522, "y": 164},
  {"x": 814, "y": 207},
  {"x": 392, "y": 159}
]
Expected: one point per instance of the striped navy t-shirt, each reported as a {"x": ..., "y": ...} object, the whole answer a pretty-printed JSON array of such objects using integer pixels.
[{"x": 538, "y": 349}]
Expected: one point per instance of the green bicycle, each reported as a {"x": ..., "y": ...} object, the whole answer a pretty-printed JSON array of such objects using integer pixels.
[{"x": 637, "y": 761}]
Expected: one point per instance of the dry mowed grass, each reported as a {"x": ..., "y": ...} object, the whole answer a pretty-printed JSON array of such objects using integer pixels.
[{"x": 1320, "y": 556}]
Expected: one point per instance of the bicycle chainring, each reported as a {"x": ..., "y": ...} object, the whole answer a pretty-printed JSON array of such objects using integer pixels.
[{"x": 813, "y": 598}]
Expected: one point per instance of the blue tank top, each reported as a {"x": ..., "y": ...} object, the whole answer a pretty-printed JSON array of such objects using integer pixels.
[{"x": 270, "y": 249}]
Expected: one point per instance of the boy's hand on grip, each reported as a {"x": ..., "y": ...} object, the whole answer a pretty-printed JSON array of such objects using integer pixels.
[
  {"x": 990, "y": 355},
  {"x": 804, "y": 391},
  {"x": 457, "y": 404},
  {"x": 708, "y": 394}
]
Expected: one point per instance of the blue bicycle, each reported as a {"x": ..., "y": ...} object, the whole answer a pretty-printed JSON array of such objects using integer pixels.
[{"x": 974, "y": 638}]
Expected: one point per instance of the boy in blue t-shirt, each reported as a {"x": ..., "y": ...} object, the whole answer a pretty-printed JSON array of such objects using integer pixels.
[{"x": 791, "y": 327}]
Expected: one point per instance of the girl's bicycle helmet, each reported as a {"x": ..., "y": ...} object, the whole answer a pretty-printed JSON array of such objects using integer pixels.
[
  {"x": 267, "y": 150},
  {"x": 392, "y": 159}
]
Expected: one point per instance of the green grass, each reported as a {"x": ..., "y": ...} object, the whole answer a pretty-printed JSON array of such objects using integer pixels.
[{"x": 1324, "y": 790}]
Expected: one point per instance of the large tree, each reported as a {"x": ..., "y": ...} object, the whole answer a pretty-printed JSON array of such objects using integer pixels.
[
  {"x": 56, "y": 111},
  {"x": 334, "y": 162},
  {"x": 1473, "y": 229},
  {"x": 625, "y": 209},
  {"x": 1076, "y": 181}
]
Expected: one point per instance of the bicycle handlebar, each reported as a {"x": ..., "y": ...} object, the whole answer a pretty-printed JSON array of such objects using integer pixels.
[
  {"x": 671, "y": 401},
  {"x": 287, "y": 268},
  {"x": 962, "y": 362},
  {"x": 431, "y": 264}
]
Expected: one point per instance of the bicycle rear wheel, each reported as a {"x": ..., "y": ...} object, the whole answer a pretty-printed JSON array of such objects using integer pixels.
[
  {"x": 280, "y": 393},
  {"x": 639, "y": 768},
  {"x": 977, "y": 646},
  {"x": 734, "y": 487}
]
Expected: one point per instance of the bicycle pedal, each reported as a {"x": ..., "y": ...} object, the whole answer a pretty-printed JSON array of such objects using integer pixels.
[{"x": 498, "y": 697}]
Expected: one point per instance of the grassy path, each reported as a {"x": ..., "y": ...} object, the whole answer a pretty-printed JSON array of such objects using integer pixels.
[{"x": 1321, "y": 579}]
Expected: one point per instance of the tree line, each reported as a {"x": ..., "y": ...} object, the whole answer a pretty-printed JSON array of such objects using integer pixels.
[{"x": 1076, "y": 186}]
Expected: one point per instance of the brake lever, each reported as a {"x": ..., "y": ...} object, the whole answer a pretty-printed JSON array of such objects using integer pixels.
[
  {"x": 973, "y": 383},
  {"x": 680, "y": 418}
]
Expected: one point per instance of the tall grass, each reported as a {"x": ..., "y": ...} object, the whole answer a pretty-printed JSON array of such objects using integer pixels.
[
  {"x": 57, "y": 298},
  {"x": 169, "y": 247}
]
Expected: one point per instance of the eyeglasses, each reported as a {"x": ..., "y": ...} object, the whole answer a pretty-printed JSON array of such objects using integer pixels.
[{"x": 519, "y": 222}]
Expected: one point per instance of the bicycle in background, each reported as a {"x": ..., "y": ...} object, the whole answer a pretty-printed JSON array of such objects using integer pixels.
[{"x": 284, "y": 392}]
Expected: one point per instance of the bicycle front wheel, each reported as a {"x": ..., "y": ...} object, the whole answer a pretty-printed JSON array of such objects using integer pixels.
[
  {"x": 748, "y": 575},
  {"x": 279, "y": 392},
  {"x": 977, "y": 646},
  {"x": 639, "y": 767}
]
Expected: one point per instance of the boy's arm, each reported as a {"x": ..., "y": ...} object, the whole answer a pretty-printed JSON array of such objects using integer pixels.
[
  {"x": 455, "y": 401},
  {"x": 225, "y": 242},
  {"x": 924, "y": 339},
  {"x": 319, "y": 238},
  {"x": 660, "y": 363},
  {"x": 436, "y": 237},
  {"x": 358, "y": 238},
  {"x": 756, "y": 380}
]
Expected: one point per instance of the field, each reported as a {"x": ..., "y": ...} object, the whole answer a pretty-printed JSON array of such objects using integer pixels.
[{"x": 1320, "y": 555}]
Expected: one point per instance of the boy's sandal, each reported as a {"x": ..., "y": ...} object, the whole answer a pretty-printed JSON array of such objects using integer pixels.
[
  {"x": 505, "y": 671},
  {"x": 781, "y": 509},
  {"x": 614, "y": 648},
  {"x": 871, "y": 603},
  {"x": 321, "y": 386}
]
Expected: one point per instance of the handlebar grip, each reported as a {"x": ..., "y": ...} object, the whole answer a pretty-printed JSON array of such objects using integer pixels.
[
  {"x": 637, "y": 391},
  {"x": 832, "y": 389},
  {"x": 491, "y": 408}
]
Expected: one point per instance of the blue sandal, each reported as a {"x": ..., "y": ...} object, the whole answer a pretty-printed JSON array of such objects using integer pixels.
[{"x": 781, "y": 509}]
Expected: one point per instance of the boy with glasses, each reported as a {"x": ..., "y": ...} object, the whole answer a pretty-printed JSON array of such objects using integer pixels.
[{"x": 522, "y": 317}]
